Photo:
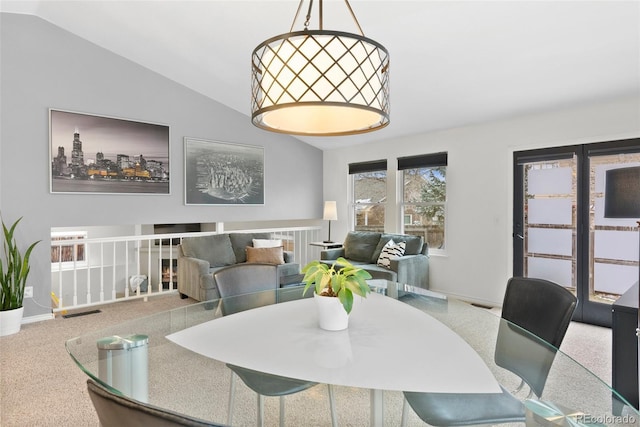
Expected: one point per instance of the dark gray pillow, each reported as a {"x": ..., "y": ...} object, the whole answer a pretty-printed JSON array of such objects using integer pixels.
[
  {"x": 413, "y": 244},
  {"x": 216, "y": 249},
  {"x": 240, "y": 241},
  {"x": 359, "y": 245}
]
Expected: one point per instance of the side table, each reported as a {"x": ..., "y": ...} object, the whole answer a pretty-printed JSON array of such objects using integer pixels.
[{"x": 327, "y": 245}]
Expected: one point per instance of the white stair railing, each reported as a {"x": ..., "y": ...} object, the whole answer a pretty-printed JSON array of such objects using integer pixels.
[{"x": 93, "y": 271}]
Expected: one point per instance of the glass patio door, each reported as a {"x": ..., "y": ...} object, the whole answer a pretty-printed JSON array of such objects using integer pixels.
[{"x": 560, "y": 233}]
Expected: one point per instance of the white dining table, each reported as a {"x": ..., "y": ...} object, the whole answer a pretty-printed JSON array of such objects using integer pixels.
[{"x": 389, "y": 345}]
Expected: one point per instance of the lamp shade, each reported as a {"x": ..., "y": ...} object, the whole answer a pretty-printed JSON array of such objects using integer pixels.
[
  {"x": 622, "y": 193},
  {"x": 320, "y": 83},
  {"x": 330, "y": 211}
]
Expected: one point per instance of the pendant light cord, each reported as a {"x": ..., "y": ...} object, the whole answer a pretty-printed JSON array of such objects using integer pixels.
[
  {"x": 353, "y": 15},
  {"x": 295, "y": 18},
  {"x": 308, "y": 17}
]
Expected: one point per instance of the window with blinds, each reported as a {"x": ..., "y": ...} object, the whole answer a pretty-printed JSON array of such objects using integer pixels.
[
  {"x": 369, "y": 194},
  {"x": 424, "y": 197}
]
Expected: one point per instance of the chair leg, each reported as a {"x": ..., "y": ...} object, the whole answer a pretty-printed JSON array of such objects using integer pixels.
[
  {"x": 520, "y": 387},
  {"x": 332, "y": 407},
  {"x": 232, "y": 392},
  {"x": 260, "y": 410},
  {"x": 405, "y": 412}
]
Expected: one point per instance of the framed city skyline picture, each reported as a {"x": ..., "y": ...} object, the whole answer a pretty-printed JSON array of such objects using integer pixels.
[
  {"x": 106, "y": 155},
  {"x": 219, "y": 173}
]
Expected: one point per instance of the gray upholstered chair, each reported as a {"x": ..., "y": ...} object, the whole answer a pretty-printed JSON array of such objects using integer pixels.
[
  {"x": 253, "y": 281},
  {"x": 363, "y": 248},
  {"x": 115, "y": 410},
  {"x": 539, "y": 306},
  {"x": 274, "y": 386},
  {"x": 200, "y": 257},
  {"x": 543, "y": 308},
  {"x": 243, "y": 279}
]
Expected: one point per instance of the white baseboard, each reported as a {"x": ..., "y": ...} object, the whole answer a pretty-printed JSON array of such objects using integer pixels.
[
  {"x": 38, "y": 318},
  {"x": 469, "y": 300}
]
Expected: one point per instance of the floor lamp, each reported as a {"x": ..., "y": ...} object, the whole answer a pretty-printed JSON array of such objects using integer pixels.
[
  {"x": 330, "y": 214},
  {"x": 622, "y": 200}
]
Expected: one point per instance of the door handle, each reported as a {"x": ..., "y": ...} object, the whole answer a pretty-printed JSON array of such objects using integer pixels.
[{"x": 520, "y": 236}]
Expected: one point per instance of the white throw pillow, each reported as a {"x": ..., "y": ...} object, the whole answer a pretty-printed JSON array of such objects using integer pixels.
[
  {"x": 390, "y": 251},
  {"x": 266, "y": 243}
]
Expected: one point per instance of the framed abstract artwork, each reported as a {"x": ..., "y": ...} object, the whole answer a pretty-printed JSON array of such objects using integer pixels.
[
  {"x": 219, "y": 173},
  {"x": 105, "y": 155}
]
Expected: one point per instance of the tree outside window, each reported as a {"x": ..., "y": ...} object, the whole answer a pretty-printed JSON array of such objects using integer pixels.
[
  {"x": 369, "y": 199},
  {"x": 424, "y": 204}
]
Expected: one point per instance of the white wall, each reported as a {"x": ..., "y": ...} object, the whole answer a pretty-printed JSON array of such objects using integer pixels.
[
  {"x": 44, "y": 66},
  {"x": 478, "y": 258}
]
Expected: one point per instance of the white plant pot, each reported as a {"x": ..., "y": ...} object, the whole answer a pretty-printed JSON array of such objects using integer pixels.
[
  {"x": 10, "y": 321},
  {"x": 331, "y": 313}
]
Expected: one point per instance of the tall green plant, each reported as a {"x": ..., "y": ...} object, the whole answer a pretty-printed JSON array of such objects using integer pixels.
[
  {"x": 342, "y": 282},
  {"x": 14, "y": 269}
]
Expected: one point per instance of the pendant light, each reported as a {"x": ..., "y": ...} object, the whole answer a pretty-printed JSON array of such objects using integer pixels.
[{"x": 320, "y": 82}]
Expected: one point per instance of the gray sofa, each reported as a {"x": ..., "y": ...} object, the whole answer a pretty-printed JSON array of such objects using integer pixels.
[
  {"x": 200, "y": 257},
  {"x": 362, "y": 248}
]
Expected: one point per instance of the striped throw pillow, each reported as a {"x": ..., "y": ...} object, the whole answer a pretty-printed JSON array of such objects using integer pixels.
[{"x": 390, "y": 251}]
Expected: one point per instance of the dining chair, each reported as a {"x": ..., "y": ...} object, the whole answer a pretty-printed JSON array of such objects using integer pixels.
[
  {"x": 538, "y": 306},
  {"x": 252, "y": 281},
  {"x": 274, "y": 386},
  {"x": 543, "y": 308},
  {"x": 115, "y": 410}
]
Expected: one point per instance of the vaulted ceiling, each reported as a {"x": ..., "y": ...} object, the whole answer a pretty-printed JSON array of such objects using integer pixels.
[{"x": 453, "y": 63}]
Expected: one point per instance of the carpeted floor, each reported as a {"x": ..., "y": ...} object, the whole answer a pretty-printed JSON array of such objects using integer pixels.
[{"x": 40, "y": 385}]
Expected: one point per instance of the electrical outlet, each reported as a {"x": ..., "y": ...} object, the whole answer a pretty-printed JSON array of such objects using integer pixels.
[{"x": 28, "y": 291}]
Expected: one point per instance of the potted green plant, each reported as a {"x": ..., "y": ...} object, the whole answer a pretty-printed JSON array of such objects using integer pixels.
[
  {"x": 335, "y": 286},
  {"x": 14, "y": 269}
]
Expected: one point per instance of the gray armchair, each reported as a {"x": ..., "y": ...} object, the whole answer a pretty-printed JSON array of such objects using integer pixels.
[
  {"x": 363, "y": 248},
  {"x": 200, "y": 257}
]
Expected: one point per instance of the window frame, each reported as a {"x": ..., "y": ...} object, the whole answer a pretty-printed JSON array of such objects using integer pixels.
[
  {"x": 356, "y": 169},
  {"x": 57, "y": 236},
  {"x": 424, "y": 161}
]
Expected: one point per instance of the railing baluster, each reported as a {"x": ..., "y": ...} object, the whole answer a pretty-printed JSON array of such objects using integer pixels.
[
  {"x": 89, "y": 301},
  {"x": 75, "y": 280},
  {"x": 113, "y": 276},
  {"x": 160, "y": 266},
  {"x": 149, "y": 284},
  {"x": 60, "y": 297},
  {"x": 101, "y": 271},
  {"x": 126, "y": 270},
  {"x": 171, "y": 267}
]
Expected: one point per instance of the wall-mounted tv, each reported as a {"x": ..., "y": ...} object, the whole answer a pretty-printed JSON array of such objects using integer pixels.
[{"x": 175, "y": 228}]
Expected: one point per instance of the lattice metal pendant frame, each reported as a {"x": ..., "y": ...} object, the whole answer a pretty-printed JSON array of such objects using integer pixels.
[{"x": 320, "y": 83}]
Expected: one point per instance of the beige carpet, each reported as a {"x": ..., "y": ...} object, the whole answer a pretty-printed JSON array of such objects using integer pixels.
[{"x": 40, "y": 385}]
